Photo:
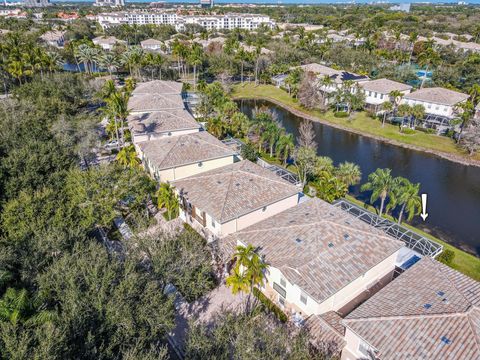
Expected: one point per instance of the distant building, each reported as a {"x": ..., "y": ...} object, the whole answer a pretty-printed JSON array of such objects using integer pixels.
[
  {"x": 107, "y": 42},
  {"x": 206, "y": 3},
  {"x": 37, "y": 3},
  {"x": 54, "y": 38},
  {"x": 151, "y": 44},
  {"x": 401, "y": 7},
  {"x": 109, "y": 3}
]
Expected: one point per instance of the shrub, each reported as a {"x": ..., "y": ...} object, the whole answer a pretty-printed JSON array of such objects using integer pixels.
[
  {"x": 340, "y": 114},
  {"x": 446, "y": 256},
  {"x": 269, "y": 305},
  {"x": 248, "y": 152},
  {"x": 425, "y": 130},
  {"x": 408, "y": 131}
]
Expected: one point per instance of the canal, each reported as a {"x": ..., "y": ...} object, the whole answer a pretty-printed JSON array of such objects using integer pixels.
[{"x": 453, "y": 189}]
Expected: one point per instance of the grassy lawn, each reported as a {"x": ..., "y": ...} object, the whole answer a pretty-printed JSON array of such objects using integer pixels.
[
  {"x": 463, "y": 261},
  {"x": 359, "y": 122}
]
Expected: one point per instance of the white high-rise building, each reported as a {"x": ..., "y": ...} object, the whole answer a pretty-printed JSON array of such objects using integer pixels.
[{"x": 109, "y": 3}]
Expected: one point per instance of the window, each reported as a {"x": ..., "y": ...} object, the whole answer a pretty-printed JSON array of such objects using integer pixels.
[
  {"x": 364, "y": 349},
  {"x": 280, "y": 290},
  {"x": 264, "y": 209},
  {"x": 200, "y": 164},
  {"x": 376, "y": 95},
  {"x": 283, "y": 282},
  {"x": 369, "y": 93},
  {"x": 281, "y": 300},
  {"x": 213, "y": 223},
  {"x": 303, "y": 298}
]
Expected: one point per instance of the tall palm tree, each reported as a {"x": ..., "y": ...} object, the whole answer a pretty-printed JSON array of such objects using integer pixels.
[
  {"x": 413, "y": 39},
  {"x": 387, "y": 108},
  {"x": 466, "y": 110},
  {"x": 166, "y": 198},
  {"x": 428, "y": 58},
  {"x": 285, "y": 147},
  {"x": 381, "y": 183},
  {"x": 127, "y": 157},
  {"x": 238, "y": 282},
  {"x": 271, "y": 134},
  {"x": 117, "y": 106},
  {"x": 216, "y": 127},
  {"x": 395, "y": 98},
  {"x": 110, "y": 62},
  {"x": 407, "y": 196},
  {"x": 349, "y": 173},
  {"x": 195, "y": 58}
]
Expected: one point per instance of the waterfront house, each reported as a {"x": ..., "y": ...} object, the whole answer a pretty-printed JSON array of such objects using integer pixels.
[
  {"x": 378, "y": 91},
  {"x": 177, "y": 157},
  {"x": 151, "y": 45},
  {"x": 436, "y": 101},
  {"x": 145, "y": 103},
  {"x": 320, "y": 258},
  {"x": 228, "y": 199},
  {"x": 429, "y": 312},
  {"x": 159, "y": 124},
  {"x": 107, "y": 42}
]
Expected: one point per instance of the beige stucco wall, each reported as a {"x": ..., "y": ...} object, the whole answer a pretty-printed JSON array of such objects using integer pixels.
[
  {"x": 381, "y": 98},
  {"x": 351, "y": 350},
  {"x": 335, "y": 302},
  {"x": 258, "y": 215},
  {"x": 431, "y": 108},
  {"x": 181, "y": 172},
  {"x": 147, "y": 137}
]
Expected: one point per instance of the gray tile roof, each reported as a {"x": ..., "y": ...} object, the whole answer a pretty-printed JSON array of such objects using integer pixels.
[
  {"x": 384, "y": 86},
  {"x": 318, "y": 247},
  {"x": 232, "y": 191},
  {"x": 158, "y": 87},
  {"x": 155, "y": 102},
  {"x": 437, "y": 95},
  {"x": 169, "y": 152},
  {"x": 409, "y": 317},
  {"x": 162, "y": 122},
  {"x": 150, "y": 42},
  {"x": 338, "y": 76}
]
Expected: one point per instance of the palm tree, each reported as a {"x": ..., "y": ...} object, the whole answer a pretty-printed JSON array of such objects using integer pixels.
[
  {"x": 381, "y": 183},
  {"x": 395, "y": 98},
  {"x": 466, "y": 110},
  {"x": 167, "y": 199},
  {"x": 127, "y": 157},
  {"x": 117, "y": 106},
  {"x": 413, "y": 39},
  {"x": 271, "y": 134},
  {"x": 215, "y": 127},
  {"x": 285, "y": 147},
  {"x": 428, "y": 58},
  {"x": 110, "y": 62},
  {"x": 17, "y": 307},
  {"x": 238, "y": 282},
  {"x": 349, "y": 173},
  {"x": 386, "y": 107},
  {"x": 406, "y": 195},
  {"x": 195, "y": 58}
]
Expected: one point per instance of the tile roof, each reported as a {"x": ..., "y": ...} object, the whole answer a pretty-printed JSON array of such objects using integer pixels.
[
  {"x": 169, "y": 152},
  {"x": 155, "y": 102},
  {"x": 318, "y": 247},
  {"x": 150, "y": 42},
  {"x": 162, "y": 122},
  {"x": 384, "y": 86},
  {"x": 158, "y": 87},
  {"x": 323, "y": 329},
  {"x": 437, "y": 95},
  {"x": 338, "y": 76},
  {"x": 409, "y": 317},
  {"x": 232, "y": 191},
  {"x": 111, "y": 40},
  {"x": 54, "y": 35}
]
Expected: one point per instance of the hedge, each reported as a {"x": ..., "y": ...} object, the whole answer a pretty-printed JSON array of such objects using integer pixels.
[
  {"x": 269, "y": 305},
  {"x": 340, "y": 114}
]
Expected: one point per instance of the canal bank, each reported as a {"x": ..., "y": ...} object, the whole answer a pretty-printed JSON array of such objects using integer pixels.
[
  {"x": 360, "y": 124},
  {"x": 453, "y": 188}
]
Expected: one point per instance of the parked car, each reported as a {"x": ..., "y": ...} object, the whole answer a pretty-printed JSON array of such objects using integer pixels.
[{"x": 111, "y": 144}]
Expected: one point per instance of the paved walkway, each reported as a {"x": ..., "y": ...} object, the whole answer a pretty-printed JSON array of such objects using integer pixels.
[
  {"x": 203, "y": 310},
  {"x": 169, "y": 227}
]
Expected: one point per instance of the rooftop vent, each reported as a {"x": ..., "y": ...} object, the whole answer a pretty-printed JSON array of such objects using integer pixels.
[
  {"x": 298, "y": 240},
  {"x": 346, "y": 236},
  {"x": 330, "y": 245},
  {"x": 427, "y": 306},
  {"x": 237, "y": 184},
  {"x": 347, "y": 222},
  {"x": 440, "y": 293},
  {"x": 445, "y": 340},
  {"x": 219, "y": 182},
  {"x": 307, "y": 214},
  {"x": 291, "y": 221}
]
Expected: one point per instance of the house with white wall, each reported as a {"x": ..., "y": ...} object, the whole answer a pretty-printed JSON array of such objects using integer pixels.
[
  {"x": 228, "y": 199},
  {"x": 54, "y": 38},
  {"x": 160, "y": 124},
  {"x": 107, "y": 42},
  {"x": 436, "y": 101},
  {"x": 177, "y": 157},
  {"x": 320, "y": 257},
  {"x": 429, "y": 312},
  {"x": 151, "y": 45},
  {"x": 378, "y": 91}
]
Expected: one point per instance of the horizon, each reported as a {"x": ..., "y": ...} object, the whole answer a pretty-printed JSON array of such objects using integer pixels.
[{"x": 291, "y": 2}]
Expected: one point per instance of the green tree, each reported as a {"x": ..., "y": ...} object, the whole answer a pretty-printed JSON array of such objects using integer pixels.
[
  {"x": 167, "y": 199},
  {"x": 428, "y": 59},
  {"x": 305, "y": 160},
  {"x": 381, "y": 184},
  {"x": 387, "y": 108},
  {"x": 348, "y": 173},
  {"x": 285, "y": 147},
  {"x": 406, "y": 195},
  {"x": 127, "y": 157}
]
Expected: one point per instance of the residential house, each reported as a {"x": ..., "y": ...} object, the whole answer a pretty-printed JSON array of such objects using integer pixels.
[
  {"x": 436, "y": 101},
  {"x": 177, "y": 157},
  {"x": 228, "y": 199},
  {"x": 158, "y": 87},
  {"x": 107, "y": 42},
  {"x": 160, "y": 124},
  {"x": 378, "y": 91},
  {"x": 54, "y": 38},
  {"x": 429, "y": 312},
  {"x": 144, "y": 103},
  {"x": 320, "y": 258},
  {"x": 151, "y": 45}
]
